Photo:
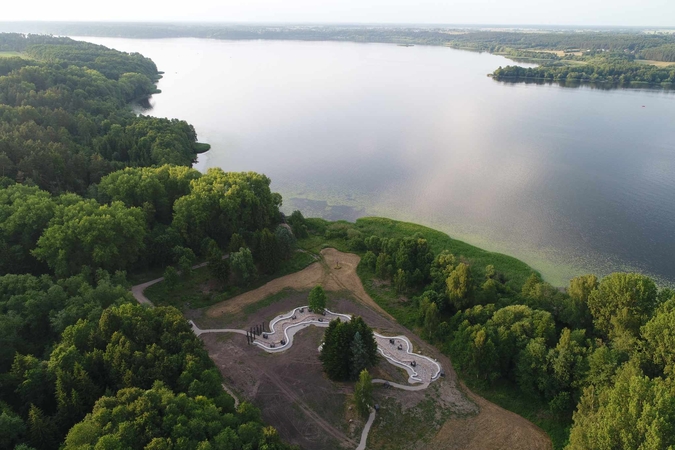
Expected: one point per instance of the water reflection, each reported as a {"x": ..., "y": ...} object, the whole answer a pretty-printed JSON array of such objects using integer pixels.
[
  {"x": 576, "y": 84},
  {"x": 569, "y": 180}
]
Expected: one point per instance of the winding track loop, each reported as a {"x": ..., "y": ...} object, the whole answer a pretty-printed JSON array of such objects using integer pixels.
[{"x": 397, "y": 350}]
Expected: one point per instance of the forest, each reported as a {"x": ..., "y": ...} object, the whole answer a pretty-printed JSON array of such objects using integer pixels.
[
  {"x": 593, "y": 363},
  {"x": 64, "y": 120},
  {"x": 606, "y": 58},
  {"x": 614, "y": 69},
  {"x": 655, "y": 46},
  {"x": 89, "y": 191}
]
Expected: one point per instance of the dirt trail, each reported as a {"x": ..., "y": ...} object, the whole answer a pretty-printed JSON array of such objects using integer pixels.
[
  {"x": 294, "y": 399},
  {"x": 322, "y": 273}
]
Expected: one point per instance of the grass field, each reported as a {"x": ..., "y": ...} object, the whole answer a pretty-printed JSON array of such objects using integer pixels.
[
  {"x": 199, "y": 290},
  {"x": 656, "y": 63},
  {"x": 10, "y": 54}
]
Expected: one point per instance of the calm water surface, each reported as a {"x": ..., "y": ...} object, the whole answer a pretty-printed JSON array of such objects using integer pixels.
[{"x": 568, "y": 180}]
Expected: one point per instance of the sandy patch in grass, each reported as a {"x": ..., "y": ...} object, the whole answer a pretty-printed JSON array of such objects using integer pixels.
[{"x": 324, "y": 273}]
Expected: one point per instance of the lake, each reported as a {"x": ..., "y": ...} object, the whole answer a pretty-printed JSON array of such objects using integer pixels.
[{"x": 570, "y": 180}]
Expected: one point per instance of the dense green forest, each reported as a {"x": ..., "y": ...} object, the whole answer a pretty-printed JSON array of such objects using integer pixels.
[
  {"x": 348, "y": 349},
  {"x": 593, "y": 362},
  {"x": 615, "y": 69},
  {"x": 64, "y": 120},
  {"x": 89, "y": 190}
]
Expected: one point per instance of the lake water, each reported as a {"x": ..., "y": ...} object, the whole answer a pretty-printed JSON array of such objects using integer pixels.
[{"x": 568, "y": 180}]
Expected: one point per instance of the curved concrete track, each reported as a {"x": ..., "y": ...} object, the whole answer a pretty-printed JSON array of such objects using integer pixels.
[{"x": 397, "y": 350}]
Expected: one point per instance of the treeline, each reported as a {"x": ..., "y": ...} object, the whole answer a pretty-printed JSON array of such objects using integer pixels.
[
  {"x": 111, "y": 354},
  {"x": 637, "y": 43},
  {"x": 348, "y": 349},
  {"x": 139, "y": 218},
  {"x": 662, "y": 53},
  {"x": 615, "y": 71},
  {"x": 82, "y": 365},
  {"x": 65, "y": 120},
  {"x": 494, "y": 41},
  {"x": 599, "y": 353}
]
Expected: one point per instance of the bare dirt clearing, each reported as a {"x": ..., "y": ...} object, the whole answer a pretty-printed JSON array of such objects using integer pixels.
[
  {"x": 494, "y": 428},
  {"x": 311, "y": 411},
  {"x": 322, "y": 272}
]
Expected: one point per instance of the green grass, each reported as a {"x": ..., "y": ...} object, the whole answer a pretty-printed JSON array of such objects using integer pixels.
[
  {"x": 394, "y": 424},
  {"x": 387, "y": 298},
  {"x": 655, "y": 63},
  {"x": 10, "y": 54},
  {"x": 189, "y": 292},
  {"x": 505, "y": 395},
  {"x": 314, "y": 244},
  {"x": 515, "y": 270}
]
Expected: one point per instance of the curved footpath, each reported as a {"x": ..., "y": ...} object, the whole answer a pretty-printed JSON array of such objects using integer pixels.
[
  {"x": 366, "y": 430},
  {"x": 397, "y": 350},
  {"x": 138, "y": 290}
]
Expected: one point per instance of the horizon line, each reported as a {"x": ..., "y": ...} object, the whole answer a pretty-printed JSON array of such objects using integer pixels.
[{"x": 319, "y": 23}]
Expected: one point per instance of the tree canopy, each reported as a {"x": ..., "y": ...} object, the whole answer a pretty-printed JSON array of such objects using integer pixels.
[
  {"x": 89, "y": 190},
  {"x": 317, "y": 300},
  {"x": 348, "y": 348}
]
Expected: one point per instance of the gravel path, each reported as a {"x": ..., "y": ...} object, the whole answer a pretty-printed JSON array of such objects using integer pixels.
[
  {"x": 366, "y": 430},
  {"x": 229, "y": 391}
]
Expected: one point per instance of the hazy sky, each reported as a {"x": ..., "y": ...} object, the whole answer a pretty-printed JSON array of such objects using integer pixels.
[{"x": 565, "y": 12}]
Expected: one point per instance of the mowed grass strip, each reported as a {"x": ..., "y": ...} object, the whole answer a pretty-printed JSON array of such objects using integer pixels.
[
  {"x": 12, "y": 55},
  {"x": 193, "y": 292}
]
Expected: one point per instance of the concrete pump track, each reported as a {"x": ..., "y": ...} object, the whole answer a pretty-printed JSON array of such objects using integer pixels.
[{"x": 397, "y": 350}]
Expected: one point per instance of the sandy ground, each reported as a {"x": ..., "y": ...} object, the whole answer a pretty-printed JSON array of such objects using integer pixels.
[
  {"x": 322, "y": 273},
  {"x": 315, "y": 421},
  {"x": 494, "y": 428}
]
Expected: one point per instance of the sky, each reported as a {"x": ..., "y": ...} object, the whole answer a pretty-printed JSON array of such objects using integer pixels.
[{"x": 652, "y": 13}]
